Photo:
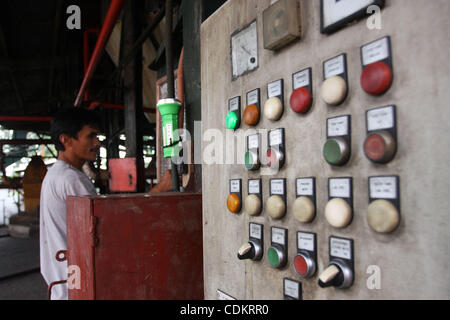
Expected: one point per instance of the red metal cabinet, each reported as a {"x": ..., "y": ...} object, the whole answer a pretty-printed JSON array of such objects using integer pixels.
[{"x": 136, "y": 246}]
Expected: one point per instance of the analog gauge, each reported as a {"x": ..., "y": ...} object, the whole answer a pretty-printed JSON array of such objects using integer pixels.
[{"x": 244, "y": 50}]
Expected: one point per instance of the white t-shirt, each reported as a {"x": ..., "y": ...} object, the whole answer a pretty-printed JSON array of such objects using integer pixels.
[{"x": 61, "y": 180}]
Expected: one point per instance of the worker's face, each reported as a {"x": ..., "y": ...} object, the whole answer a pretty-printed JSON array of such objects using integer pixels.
[{"x": 86, "y": 146}]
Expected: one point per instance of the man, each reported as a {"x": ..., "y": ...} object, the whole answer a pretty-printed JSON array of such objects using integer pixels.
[{"x": 74, "y": 133}]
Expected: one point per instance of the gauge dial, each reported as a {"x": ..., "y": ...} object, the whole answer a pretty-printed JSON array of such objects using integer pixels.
[{"x": 244, "y": 50}]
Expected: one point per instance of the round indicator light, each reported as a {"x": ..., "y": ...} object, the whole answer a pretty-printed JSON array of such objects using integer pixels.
[
  {"x": 252, "y": 205},
  {"x": 276, "y": 207},
  {"x": 304, "y": 210},
  {"x": 336, "y": 151},
  {"x": 251, "y": 115},
  {"x": 338, "y": 213},
  {"x": 380, "y": 147},
  {"x": 273, "y": 109},
  {"x": 234, "y": 203},
  {"x": 334, "y": 90},
  {"x": 376, "y": 78},
  {"x": 300, "y": 100},
  {"x": 232, "y": 120},
  {"x": 383, "y": 216}
]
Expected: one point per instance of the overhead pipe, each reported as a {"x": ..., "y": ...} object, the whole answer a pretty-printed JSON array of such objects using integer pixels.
[
  {"x": 113, "y": 13},
  {"x": 86, "y": 56},
  {"x": 107, "y": 105}
]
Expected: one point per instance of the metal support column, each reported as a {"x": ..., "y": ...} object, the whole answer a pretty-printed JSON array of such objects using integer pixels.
[{"x": 132, "y": 77}]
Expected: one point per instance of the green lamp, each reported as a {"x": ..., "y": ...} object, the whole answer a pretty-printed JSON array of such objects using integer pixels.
[{"x": 169, "y": 109}]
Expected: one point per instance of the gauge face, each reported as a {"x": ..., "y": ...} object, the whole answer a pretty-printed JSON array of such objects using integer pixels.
[{"x": 244, "y": 50}]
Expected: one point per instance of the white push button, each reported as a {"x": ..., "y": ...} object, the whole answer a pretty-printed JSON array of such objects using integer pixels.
[
  {"x": 273, "y": 109},
  {"x": 338, "y": 213},
  {"x": 304, "y": 209},
  {"x": 383, "y": 216},
  {"x": 334, "y": 90},
  {"x": 276, "y": 207},
  {"x": 252, "y": 205}
]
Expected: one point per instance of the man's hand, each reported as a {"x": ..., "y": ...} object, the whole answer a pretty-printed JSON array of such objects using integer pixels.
[{"x": 165, "y": 184}]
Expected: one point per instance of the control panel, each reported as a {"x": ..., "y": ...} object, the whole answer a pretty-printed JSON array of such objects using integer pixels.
[{"x": 330, "y": 177}]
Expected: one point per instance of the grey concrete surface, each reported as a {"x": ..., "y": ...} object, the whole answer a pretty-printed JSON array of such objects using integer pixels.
[{"x": 20, "y": 278}]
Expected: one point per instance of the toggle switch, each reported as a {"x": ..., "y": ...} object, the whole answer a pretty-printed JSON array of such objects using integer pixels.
[
  {"x": 337, "y": 149},
  {"x": 234, "y": 201},
  {"x": 253, "y": 202},
  {"x": 277, "y": 253},
  {"x": 305, "y": 260},
  {"x": 383, "y": 213},
  {"x": 334, "y": 89},
  {"x": 274, "y": 106},
  {"x": 275, "y": 156},
  {"x": 380, "y": 145},
  {"x": 250, "y": 251},
  {"x": 304, "y": 207},
  {"x": 338, "y": 210},
  {"x": 301, "y": 97},
  {"x": 377, "y": 75},
  {"x": 233, "y": 119},
  {"x": 340, "y": 271},
  {"x": 252, "y": 111},
  {"x": 276, "y": 204},
  {"x": 337, "y": 274},
  {"x": 253, "y": 250}
]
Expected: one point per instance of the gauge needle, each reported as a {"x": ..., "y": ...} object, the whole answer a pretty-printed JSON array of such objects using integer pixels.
[{"x": 246, "y": 51}]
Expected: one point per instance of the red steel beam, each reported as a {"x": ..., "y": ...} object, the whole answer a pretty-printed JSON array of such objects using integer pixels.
[
  {"x": 113, "y": 12},
  {"x": 24, "y": 118}
]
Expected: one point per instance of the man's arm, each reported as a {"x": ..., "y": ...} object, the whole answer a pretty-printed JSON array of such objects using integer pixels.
[{"x": 165, "y": 184}]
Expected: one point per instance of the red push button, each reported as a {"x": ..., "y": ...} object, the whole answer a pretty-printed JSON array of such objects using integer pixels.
[
  {"x": 300, "y": 265},
  {"x": 301, "y": 100},
  {"x": 304, "y": 265},
  {"x": 274, "y": 158},
  {"x": 380, "y": 147},
  {"x": 376, "y": 78}
]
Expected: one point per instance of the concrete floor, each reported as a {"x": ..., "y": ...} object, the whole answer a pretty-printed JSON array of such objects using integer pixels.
[{"x": 20, "y": 278}]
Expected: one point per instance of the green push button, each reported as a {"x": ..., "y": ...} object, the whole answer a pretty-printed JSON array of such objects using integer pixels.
[
  {"x": 232, "y": 120},
  {"x": 249, "y": 161},
  {"x": 272, "y": 257},
  {"x": 332, "y": 151},
  {"x": 336, "y": 151}
]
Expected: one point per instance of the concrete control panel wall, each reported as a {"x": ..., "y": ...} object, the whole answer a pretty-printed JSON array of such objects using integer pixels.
[{"x": 325, "y": 150}]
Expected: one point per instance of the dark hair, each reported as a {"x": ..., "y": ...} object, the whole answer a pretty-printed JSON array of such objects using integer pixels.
[{"x": 70, "y": 122}]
